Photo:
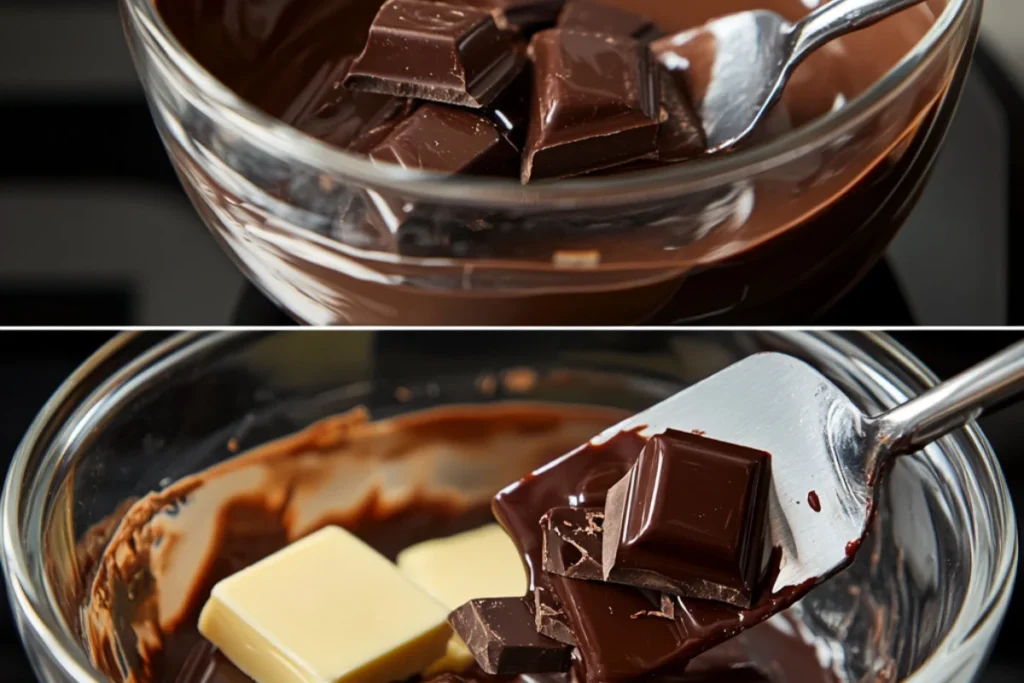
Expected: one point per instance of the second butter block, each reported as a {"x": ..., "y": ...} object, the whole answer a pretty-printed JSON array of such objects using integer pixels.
[{"x": 482, "y": 563}]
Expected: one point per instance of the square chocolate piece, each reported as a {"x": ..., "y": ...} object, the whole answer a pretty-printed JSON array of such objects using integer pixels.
[
  {"x": 690, "y": 518},
  {"x": 595, "y": 104},
  {"x": 597, "y": 16},
  {"x": 573, "y": 542},
  {"x": 448, "y": 140},
  {"x": 501, "y": 635},
  {"x": 435, "y": 51}
]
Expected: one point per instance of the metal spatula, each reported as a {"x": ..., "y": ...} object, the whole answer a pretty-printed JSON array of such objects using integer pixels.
[{"x": 823, "y": 446}]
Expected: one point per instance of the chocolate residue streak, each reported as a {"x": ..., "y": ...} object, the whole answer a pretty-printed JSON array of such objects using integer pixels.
[
  {"x": 172, "y": 546},
  {"x": 814, "y": 501}
]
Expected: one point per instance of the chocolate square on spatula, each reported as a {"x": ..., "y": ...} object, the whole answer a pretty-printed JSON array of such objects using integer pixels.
[
  {"x": 501, "y": 635},
  {"x": 690, "y": 518},
  {"x": 594, "y": 106},
  {"x": 434, "y": 51}
]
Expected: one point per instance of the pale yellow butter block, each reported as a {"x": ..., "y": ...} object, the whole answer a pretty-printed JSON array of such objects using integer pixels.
[
  {"x": 326, "y": 609},
  {"x": 482, "y": 563}
]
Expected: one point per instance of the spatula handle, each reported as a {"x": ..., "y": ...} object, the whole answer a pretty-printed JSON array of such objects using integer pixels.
[{"x": 952, "y": 403}]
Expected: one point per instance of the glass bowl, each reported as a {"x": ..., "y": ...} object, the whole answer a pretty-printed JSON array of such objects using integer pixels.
[
  {"x": 771, "y": 233},
  {"x": 922, "y": 602}
]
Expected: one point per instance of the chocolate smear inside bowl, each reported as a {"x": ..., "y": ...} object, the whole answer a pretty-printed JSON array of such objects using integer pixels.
[{"x": 393, "y": 484}]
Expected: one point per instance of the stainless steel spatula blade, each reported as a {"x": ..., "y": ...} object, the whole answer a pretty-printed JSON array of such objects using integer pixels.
[
  {"x": 827, "y": 455},
  {"x": 814, "y": 432}
]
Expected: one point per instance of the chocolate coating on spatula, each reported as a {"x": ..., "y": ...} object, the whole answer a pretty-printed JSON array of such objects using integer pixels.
[
  {"x": 594, "y": 106},
  {"x": 435, "y": 51},
  {"x": 690, "y": 518},
  {"x": 595, "y": 16},
  {"x": 501, "y": 635},
  {"x": 621, "y": 632},
  {"x": 583, "y": 478}
]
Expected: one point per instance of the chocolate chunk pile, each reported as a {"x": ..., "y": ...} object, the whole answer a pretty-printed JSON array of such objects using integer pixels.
[
  {"x": 642, "y": 555},
  {"x": 534, "y": 89}
]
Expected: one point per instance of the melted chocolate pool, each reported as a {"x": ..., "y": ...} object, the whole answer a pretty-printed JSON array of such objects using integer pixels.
[
  {"x": 394, "y": 482},
  {"x": 304, "y": 61}
]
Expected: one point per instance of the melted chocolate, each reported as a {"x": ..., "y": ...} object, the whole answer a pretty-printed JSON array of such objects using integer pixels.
[{"x": 612, "y": 643}]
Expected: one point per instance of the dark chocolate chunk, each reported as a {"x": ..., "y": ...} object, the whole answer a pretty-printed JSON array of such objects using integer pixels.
[
  {"x": 548, "y": 616},
  {"x": 517, "y": 13},
  {"x": 448, "y": 140},
  {"x": 680, "y": 135},
  {"x": 583, "y": 478},
  {"x": 345, "y": 118},
  {"x": 594, "y": 106},
  {"x": 433, "y": 51},
  {"x": 690, "y": 518},
  {"x": 501, "y": 635},
  {"x": 595, "y": 16},
  {"x": 572, "y": 542}
]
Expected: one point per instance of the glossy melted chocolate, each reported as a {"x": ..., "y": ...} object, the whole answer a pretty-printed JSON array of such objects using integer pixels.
[
  {"x": 170, "y": 547},
  {"x": 281, "y": 54},
  {"x": 613, "y": 644}
]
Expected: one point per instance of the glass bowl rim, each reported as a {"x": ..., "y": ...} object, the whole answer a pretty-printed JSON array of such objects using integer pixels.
[
  {"x": 247, "y": 122},
  {"x": 67, "y": 652}
]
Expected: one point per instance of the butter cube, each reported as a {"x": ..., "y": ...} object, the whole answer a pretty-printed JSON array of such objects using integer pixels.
[
  {"x": 482, "y": 563},
  {"x": 326, "y": 609}
]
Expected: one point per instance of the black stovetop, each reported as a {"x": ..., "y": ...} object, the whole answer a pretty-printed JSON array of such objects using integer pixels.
[{"x": 33, "y": 364}]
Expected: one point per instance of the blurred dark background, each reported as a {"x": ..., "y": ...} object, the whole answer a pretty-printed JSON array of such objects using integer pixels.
[
  {"x": 94, "y": 228},
  {"x": 33, "y": 364}
]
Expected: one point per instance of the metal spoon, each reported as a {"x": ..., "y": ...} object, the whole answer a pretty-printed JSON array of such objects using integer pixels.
[
  {"x": 746, "y": 59},
  {"x": 822, "y": 443}
]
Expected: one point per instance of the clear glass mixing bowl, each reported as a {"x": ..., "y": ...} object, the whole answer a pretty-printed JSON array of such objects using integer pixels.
[
  {"x": 773, "y": 233},
  {"x": 922, "y": 602}
]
